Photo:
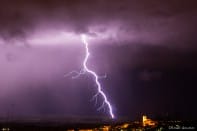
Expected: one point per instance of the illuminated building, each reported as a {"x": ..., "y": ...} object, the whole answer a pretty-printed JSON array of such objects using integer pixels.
[
  {"x": 106, "y": 128},
  {"x": 148, "y": 122}
]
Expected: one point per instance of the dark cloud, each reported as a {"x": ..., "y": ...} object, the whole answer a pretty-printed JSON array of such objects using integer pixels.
[{"x": 159, "y": 22}]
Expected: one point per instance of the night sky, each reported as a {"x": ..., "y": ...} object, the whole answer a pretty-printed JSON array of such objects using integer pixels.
[{"x": 146, "y": 48}]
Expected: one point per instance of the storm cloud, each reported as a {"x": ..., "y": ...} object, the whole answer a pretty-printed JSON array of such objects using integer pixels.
[
  {"x": 155, "y": 22},
  {"x": 133, "y": 42}
]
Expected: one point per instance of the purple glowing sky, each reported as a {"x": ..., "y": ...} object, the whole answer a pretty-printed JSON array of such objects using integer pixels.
[{"x": 132, "y": 42}]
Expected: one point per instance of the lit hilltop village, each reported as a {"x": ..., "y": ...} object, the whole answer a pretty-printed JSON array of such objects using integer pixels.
[{"x": 146, "y": 122}]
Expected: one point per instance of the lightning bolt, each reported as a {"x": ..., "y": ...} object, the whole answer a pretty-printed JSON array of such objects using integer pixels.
[
  {"x": 95, "y": 76},
  {"x": 99, "y": 89}
]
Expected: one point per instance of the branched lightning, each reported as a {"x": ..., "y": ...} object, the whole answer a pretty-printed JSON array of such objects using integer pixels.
[{"x": 96, "y": 78}]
